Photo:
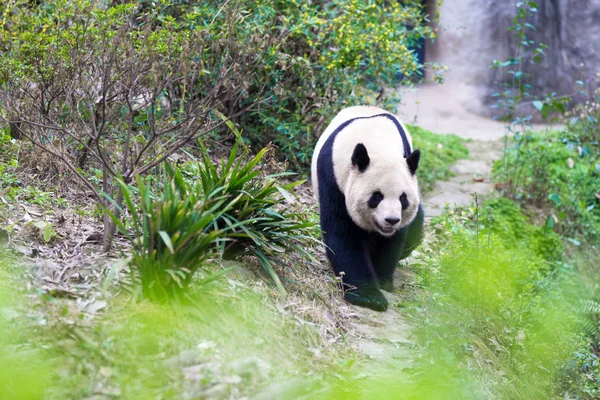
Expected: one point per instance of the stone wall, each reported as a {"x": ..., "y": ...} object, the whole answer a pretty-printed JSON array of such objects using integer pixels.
[{"x": 472, "y": 33}]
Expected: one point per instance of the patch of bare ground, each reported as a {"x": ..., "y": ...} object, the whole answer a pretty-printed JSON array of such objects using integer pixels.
[{"x": 470, "y": 176}]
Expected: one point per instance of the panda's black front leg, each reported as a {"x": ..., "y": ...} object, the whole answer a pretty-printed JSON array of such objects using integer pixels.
[
  {"x": 387, "y": 252},
  {"x": 348, "y": 253}
]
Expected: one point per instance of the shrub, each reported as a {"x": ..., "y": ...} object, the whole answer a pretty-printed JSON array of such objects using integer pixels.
[
  {"x": 120, "y": 88},
  {"x": 318, "y": 57},
  {"x": 9, "y": 160},
  {"x": 171, "y": 233},
  {"x": 497, "y": 316},
  {"x": 561, "y": 175},
  {"x": 231, "y": 209},
  {"x": 255, "y": 224}
]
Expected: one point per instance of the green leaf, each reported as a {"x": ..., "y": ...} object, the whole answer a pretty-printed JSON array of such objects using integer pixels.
[
  {"x": 555, "y": 198},
  {"x": 167, "y": 240},
  {"x": 49, "y": 232},
  {"x": 538, "y": 104},
  {"x": 545, "y": 111}
]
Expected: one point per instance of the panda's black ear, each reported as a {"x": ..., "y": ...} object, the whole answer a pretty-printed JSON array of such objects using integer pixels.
[
  {"x": 360, "y": 157},
  {"x": 413, "y": 161}
]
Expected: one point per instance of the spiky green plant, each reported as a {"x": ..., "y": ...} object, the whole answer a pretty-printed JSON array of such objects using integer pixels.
[
  {"x": 231, "y": 210},
  {"x": 171, "y": 232},
  {"x": 256, "y": 224}
]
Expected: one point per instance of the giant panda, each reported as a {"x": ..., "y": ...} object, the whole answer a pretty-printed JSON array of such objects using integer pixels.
[{"x": 364, "y": 178}]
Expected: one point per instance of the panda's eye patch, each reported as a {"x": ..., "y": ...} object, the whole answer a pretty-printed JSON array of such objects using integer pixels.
[
  {"x": 404, "y": 201},
  {"x": 375, "y": 199}
]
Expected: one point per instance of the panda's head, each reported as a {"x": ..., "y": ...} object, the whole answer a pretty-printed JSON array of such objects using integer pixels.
[{"x": 382, "y": 193}]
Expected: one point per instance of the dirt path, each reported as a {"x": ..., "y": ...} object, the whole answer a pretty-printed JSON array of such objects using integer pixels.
[
  {"x": 385, "y": 338},
  {"x": 471, "y": 176},
  {"x": 447, "y": 109}
]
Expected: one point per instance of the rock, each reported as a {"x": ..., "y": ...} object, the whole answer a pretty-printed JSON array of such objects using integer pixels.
[
  {"x": 473, "y": 33},
  {"x": 572, "y": 34},
  {"x": 3, "y": 238}
]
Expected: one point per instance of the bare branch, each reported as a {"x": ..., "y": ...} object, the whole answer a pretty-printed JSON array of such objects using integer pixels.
[{"x": 70, "y": 166}]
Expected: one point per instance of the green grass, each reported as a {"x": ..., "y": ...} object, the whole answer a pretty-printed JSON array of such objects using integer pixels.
[
  {"x": 233, "y": 338},
  {"x": 438, "y": 153},
  {"x": 497, "y": 316},
  {"x": 560, "y": 173},
  {"x": 555, "y": 176},
  {"x": 25, "y": 369},
  {"x": 493, "y": 320}
]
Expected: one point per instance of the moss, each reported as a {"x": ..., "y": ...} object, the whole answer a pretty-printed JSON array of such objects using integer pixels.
[
  {"x": 506, "y": 220},
  {"x": 547, "y": 243},
  {"x": 438, "y": 153}
]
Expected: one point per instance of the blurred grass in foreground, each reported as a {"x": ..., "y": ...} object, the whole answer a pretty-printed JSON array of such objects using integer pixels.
[
  {"x": 495, "y": 319},
  {"x": 24, "y": 370}
]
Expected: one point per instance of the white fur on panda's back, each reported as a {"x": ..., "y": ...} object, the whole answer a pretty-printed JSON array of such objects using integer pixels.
[{"x": 379, "y": 135}]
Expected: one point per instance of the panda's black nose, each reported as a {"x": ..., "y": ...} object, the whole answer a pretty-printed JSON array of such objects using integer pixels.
[{"x": 392, "y": 221}]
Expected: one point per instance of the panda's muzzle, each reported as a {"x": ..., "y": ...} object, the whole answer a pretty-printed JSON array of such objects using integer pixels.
[
  {"x": 392, "y": 221},
  {"x": 390, "y": 227}
]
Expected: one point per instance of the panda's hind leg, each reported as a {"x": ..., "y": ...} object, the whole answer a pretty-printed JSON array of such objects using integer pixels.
[{"x": 414, "y": 234}]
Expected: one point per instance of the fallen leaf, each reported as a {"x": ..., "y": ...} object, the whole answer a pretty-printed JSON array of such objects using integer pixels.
[
  {"x": 32, "y": 210},
  {"x": 570, "y": 162},
  {"x": 26, "y": 217},
  {"x": 478, "y": 179}
]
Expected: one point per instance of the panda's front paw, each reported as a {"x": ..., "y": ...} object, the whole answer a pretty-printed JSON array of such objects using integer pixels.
[{"x": 369, "y": 297}]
